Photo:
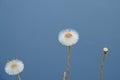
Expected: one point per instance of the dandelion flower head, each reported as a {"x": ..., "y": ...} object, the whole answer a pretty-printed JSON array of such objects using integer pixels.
[
  {"x": 105, "y": 49},
  {"x": 14, "y": 67},
  {"x": 68, "y": 37}
]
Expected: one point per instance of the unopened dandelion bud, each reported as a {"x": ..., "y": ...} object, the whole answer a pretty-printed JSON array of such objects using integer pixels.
[{"x": 105, "y": 50}]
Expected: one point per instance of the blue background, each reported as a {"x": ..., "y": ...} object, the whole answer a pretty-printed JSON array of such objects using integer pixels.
[{"x": 29, "y": 31}]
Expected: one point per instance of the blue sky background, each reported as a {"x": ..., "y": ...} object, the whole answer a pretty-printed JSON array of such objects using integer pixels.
[{"x": 29, "y": 31}]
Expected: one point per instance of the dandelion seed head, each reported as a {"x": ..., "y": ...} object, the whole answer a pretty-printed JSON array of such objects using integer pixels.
[{"x": 68, "y": 37}]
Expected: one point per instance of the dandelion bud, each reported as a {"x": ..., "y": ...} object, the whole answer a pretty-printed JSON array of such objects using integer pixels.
[{"x": 105, "y": 50}]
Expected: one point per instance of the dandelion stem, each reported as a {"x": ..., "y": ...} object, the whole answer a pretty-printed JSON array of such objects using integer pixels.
[
  {"x": 63, "y": 78},
  {"x": 102, "y": 66},
  {"x": 19, "y": 78},
  {"x": 68, "y": 64}
]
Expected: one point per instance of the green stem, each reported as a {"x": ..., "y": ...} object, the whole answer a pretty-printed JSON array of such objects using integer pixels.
[
  {"x": 19, "y": 78},
  {"x": 68, "y": 64},
  {"x": 102, "y": 66}
]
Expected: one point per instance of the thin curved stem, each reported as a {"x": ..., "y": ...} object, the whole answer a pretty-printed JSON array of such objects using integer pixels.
[
  {"x": 68, "y": 64},
  {"x": 102, "y": 66},
  {"x": 63, "y": 78},
  {"x": 19, "y": 78}
]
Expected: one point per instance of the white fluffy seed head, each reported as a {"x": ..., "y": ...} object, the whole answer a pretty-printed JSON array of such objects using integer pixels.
[
  {"x": 14, "y": 67},
  {"x": 68, "y": 37},
  {"x": 105, "y": 49}
]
